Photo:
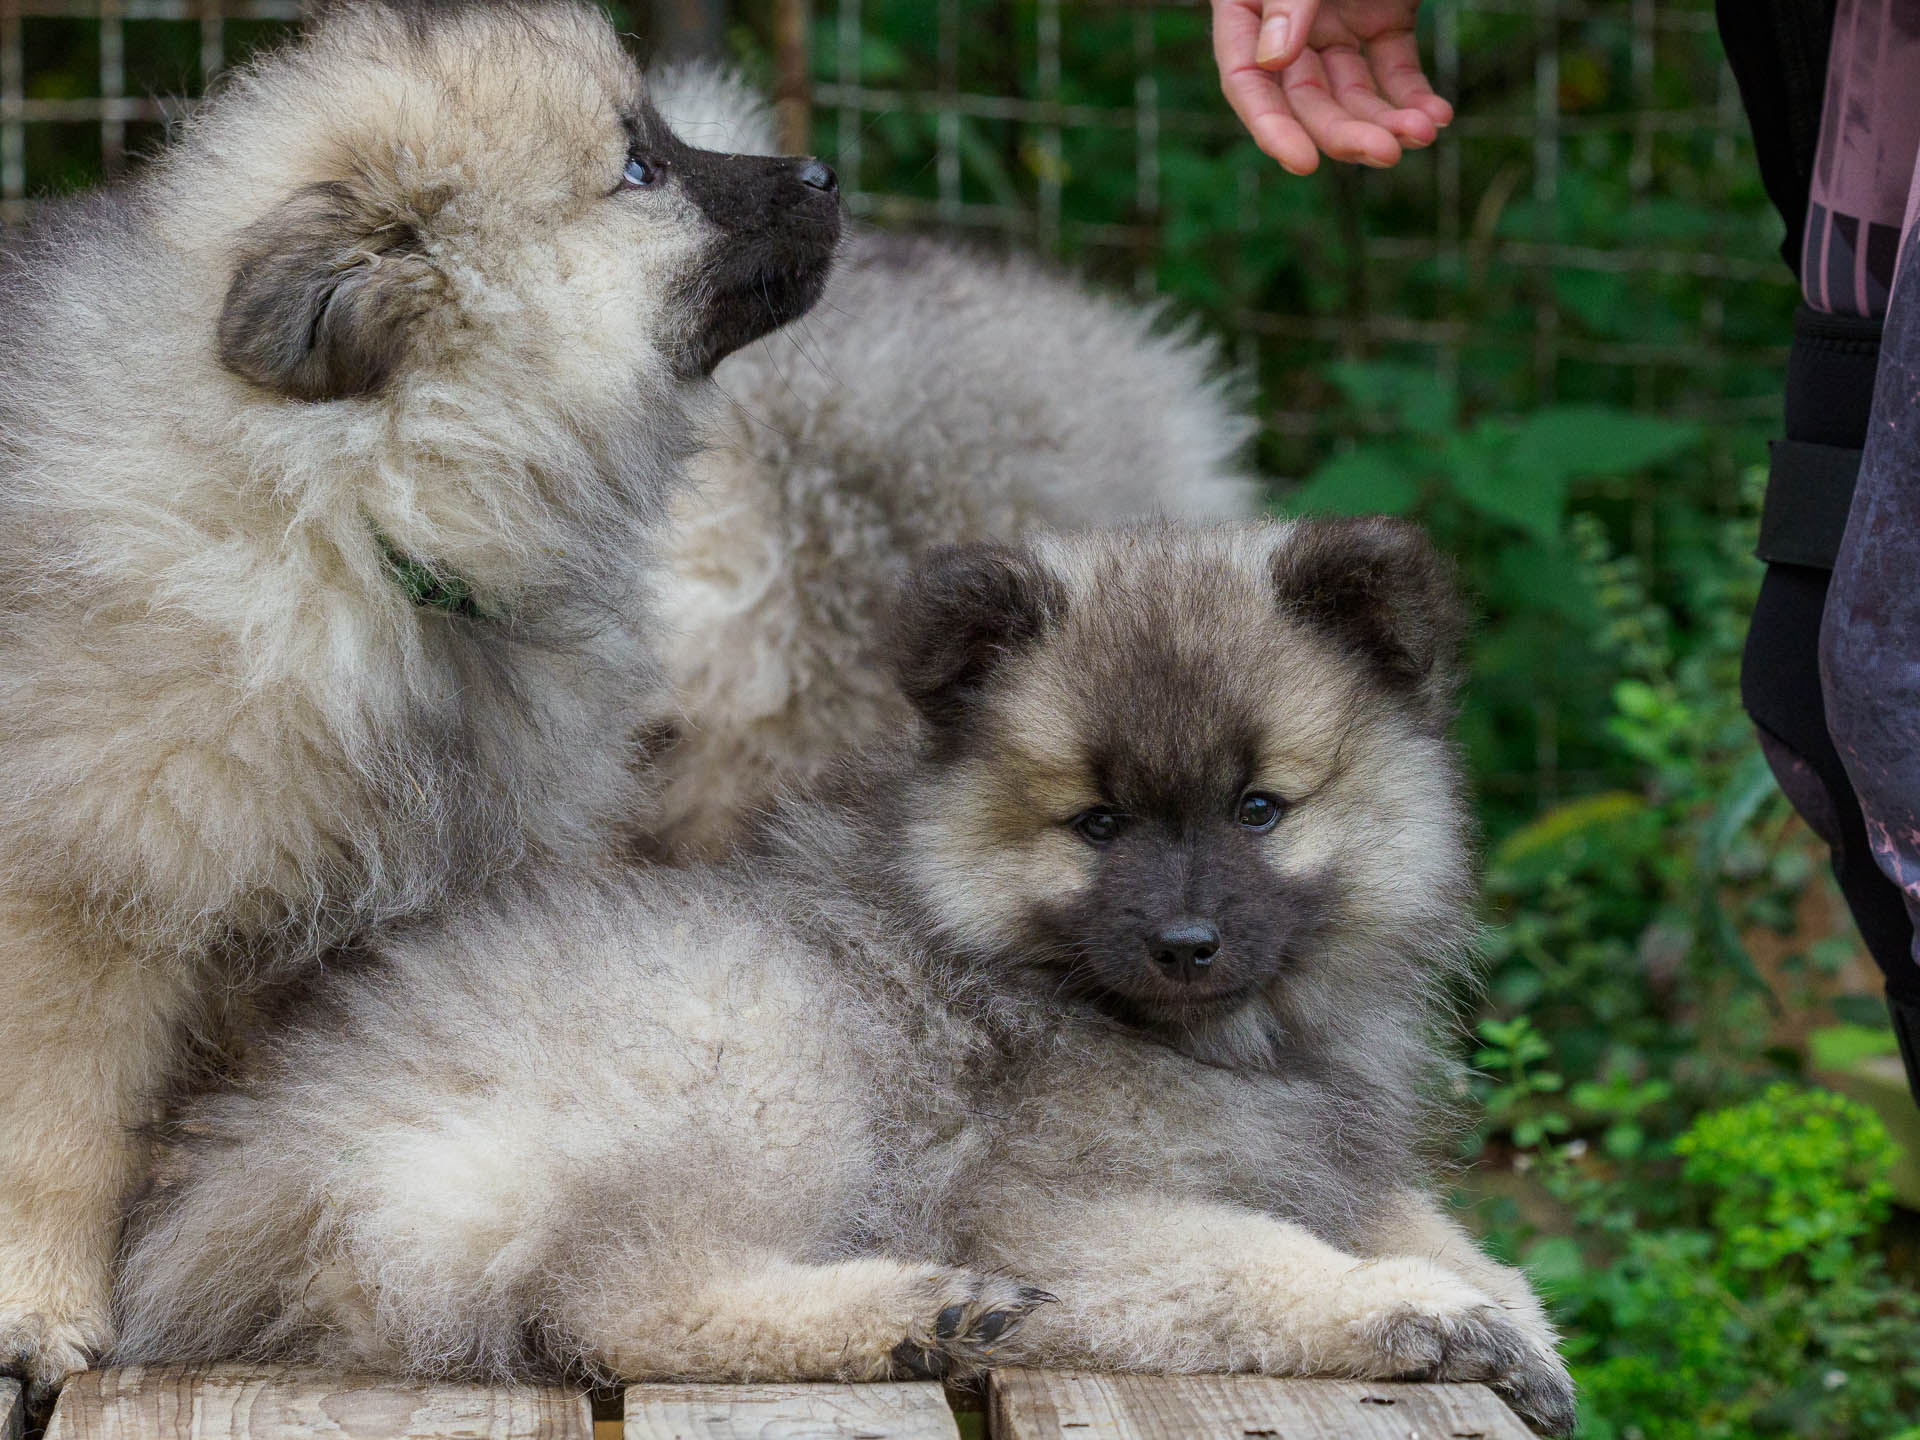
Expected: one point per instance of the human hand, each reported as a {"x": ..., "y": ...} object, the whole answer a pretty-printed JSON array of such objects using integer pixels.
[{"x": 1340, "y": 76}]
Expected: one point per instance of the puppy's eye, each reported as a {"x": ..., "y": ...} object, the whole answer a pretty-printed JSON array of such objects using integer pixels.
[
  {"x": 1259, "y": 810},
  {"x": 638, "y": 175},
  {"x": 1098, "y": 826}
]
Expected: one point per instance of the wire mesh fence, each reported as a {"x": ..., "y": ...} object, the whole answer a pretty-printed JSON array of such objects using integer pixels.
[
  {"x": 87, "y": 84},
  {"x": 1092, "y": 130}
]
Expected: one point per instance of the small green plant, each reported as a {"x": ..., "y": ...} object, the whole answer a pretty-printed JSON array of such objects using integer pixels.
[
  {"x": 1726, "y": 1285},
  {"x": 1798, "y": 1177},
  {"x": 1517, "y": 1103}
]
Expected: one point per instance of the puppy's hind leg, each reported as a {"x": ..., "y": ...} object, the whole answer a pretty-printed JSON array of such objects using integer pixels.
[
  {"x": 761, "y": 1317},
  {"x": 86, "y": 1033}
]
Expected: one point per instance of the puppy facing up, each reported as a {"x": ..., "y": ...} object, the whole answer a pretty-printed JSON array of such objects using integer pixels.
[
  {"x": 1120, "y": 987},
  {"x": 933, "y": 396},
  {"x": 329, "y": 452}
]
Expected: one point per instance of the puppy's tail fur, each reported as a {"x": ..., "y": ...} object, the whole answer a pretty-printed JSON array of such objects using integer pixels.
[{"x": 217, "y": 1251}]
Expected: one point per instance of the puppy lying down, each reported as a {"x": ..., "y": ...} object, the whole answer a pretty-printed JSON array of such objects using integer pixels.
[{"x": 1092, "y": 1030}]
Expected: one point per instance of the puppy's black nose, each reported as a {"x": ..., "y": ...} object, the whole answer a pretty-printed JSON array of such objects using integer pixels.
[
  {"x": 1185, "y": 948},
  {"x": 819, "y": 175}
]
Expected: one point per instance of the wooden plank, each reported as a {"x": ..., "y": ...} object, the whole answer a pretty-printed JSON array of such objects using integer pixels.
[
  {"x": 227, "y": 1402},
  {"x": 1074, "y": 1405},
  {"x": 915, "y": 1410},
  {"x": 13, "y": 1410}
]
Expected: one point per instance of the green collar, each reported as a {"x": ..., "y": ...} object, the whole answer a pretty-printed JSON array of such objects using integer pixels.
[{"x": 426, "y": 587}]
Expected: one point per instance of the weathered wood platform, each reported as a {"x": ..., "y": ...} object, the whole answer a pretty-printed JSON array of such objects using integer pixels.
[
  {"x": 1067, "y": 1405},
  {"x": 234, "y": 1403}
]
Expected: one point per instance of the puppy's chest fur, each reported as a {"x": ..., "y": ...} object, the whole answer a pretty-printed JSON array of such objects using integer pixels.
[{"x": 984, "y": 1086}]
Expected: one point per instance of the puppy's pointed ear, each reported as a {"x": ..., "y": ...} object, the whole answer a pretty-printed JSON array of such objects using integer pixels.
[
  {"x": 965, "y": 610},
  {"x": 1379, "y": 588},
  {"x": 324, "y": 296}
]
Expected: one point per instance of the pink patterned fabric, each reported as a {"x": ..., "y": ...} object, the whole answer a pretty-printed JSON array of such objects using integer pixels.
[{"x": 1863, "y": 182}]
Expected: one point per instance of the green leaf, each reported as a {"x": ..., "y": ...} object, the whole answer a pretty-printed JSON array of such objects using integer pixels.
[
  {"x": 1584, "y": 442},
  {"x": 1484, "y": 472},
  {"x": 1554, "y": 1262},
  {"x": 1840, "y": 1047},
  {"x": 1866, "y": 1010},
  {"x": 1372, "y": 480},
  {"x": 1744, "y": 793},
  {"x": 1527, "y": 576},
  {"x": 1565, "y": 835},
  {"x": 1624, "y": 1139},
  {"x": 1751, "y": 786},
  {"x": 1415, "y": 397}
]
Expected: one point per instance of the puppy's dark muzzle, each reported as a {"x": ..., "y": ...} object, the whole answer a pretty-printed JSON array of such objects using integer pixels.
[{"x": 778, "y": 224}]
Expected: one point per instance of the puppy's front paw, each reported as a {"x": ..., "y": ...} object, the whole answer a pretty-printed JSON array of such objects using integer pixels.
[
  {"x": 1412, "y": 1320},
  {"x": 1418, "y": 1321},
  {"x": 964, "y": 1316},
  {"x": 43, "y": 1344},
  {"x": 1540, "y": 1391}
]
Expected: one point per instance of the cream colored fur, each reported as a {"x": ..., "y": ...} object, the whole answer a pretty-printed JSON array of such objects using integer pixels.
[
  {"x": 227, "y": 739},
  {"x": 843, "y": 1109}
]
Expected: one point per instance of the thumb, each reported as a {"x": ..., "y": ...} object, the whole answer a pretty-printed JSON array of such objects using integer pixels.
[{"x": 1283, "y": 32}]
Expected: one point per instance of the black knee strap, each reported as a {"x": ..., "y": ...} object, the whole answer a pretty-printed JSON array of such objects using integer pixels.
[{"x": 1830, "y": 373}]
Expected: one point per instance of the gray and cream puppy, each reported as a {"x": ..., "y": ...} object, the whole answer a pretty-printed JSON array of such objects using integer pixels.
[
  {"x": 330, "y": 451},
  {"x": 934, "y": 396},
  {"x": 1120, "y": 984}
]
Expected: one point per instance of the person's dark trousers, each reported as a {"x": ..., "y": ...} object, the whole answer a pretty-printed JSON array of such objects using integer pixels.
[
  {"x": 1778, "y": 50},
  {"x": 1870, "y": 638},
  {"x": 1830, "y": 385}
]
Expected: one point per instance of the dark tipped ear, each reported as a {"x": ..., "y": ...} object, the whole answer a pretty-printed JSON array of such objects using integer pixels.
[
  {"x": 323, "y": 297},
  {"x": 1382, "y": 591},
  {"x": 966, "y": 609}
]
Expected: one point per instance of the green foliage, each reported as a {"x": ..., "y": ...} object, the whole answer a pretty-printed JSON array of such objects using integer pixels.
[
  {"x": 1514, "y": 474},
  {"x": 1726, "y": 1285},
  {"x": 1796, "y": 1176}
]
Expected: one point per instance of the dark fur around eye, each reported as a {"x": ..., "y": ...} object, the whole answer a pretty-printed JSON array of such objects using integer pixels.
[
  {"x": 1260, "y": 811},
  {"x": 1098, "y": 826}
]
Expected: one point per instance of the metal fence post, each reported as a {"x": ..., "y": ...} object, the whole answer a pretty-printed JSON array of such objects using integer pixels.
[{"x": 793, "y": 47}]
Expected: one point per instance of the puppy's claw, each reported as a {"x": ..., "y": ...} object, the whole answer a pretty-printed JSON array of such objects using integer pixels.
[
  {"x": 44, "y": 1352},
  {"x": 911, "y": 1362},
  {"x": 994, "y": 1324},
  {"x": 963, "y": 1331},
  {"x": 1541, "y": 1392}
]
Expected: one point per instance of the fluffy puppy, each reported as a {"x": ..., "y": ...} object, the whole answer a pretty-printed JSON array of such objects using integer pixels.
[
  {"x": 933, "y": 396},
  {"x": 1120, "y": 988},
  {"x": 329, "y": 452}
]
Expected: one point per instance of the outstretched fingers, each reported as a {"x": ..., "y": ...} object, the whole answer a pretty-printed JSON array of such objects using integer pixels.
[
  {"x": 1341, "y": 78},
  {"x": 1355, "y": 89},
  {"x": 1243, "y": 32},
  {"x": 1328, "y": 121},
  {"x": 1256, "y": 97},
  {"x": 1395, "y": 60}
]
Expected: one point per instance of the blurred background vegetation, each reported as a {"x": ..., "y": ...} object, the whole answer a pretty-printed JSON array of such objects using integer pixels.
[{"x": 1557, "y": 339}]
